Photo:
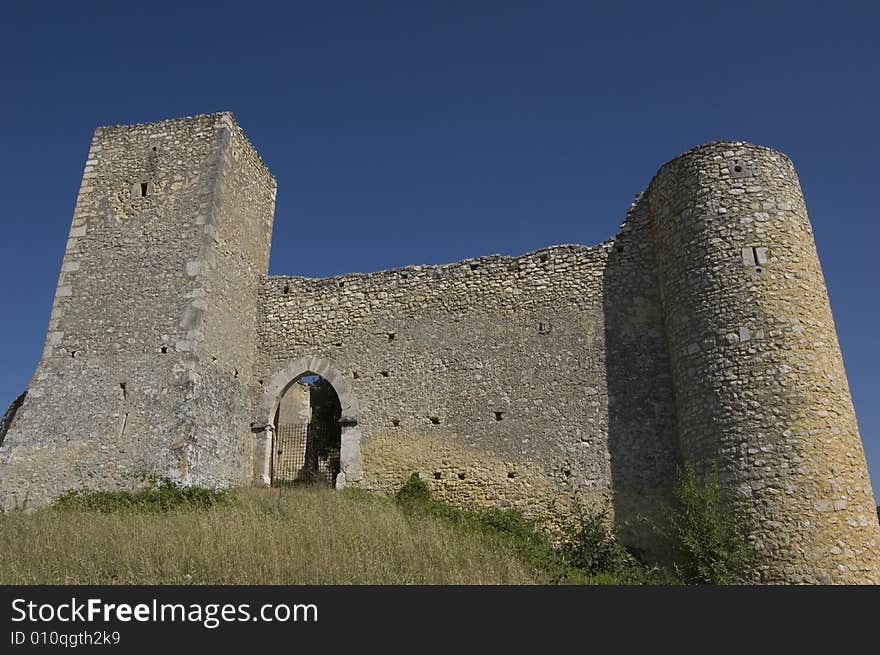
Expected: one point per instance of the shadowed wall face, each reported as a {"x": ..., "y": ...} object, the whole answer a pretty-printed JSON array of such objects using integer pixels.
[{"x": 642, "y": 439}]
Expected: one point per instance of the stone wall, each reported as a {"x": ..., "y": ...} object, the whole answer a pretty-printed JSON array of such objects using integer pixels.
[
  {"x": 759, "y": 380},
  {"x": 8, "y": 415},
  {"x": 127, "y": 386},
  {"x": 221, "y": 318},
  {"x": 493, "y": 377},
  {"x": 294, "y": 408}
]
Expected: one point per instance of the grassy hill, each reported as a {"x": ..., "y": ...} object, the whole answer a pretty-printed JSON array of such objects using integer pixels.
[
  {"x": 253, "y": 536},
  {"x": 172, "y": 535}
]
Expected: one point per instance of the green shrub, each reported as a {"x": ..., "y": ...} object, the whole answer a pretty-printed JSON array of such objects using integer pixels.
[
  {"x": 589, "y": 543},
  {"x": 414, "y": 491},
  {"x": 706, "y": 530},
  {"x": 164, "y": 496}
]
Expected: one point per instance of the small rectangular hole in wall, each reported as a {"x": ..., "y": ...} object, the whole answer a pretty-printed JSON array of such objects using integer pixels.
[
  {"x": 499, "y": 416},
  {"x": 543, "y": 259},
  {"x": 544, "y": 328},
  {"x": 395, "y": 422},
  {"x": 164, "y": 350},
  {"x": 474, "y": 267},
  {"x": 511, "y": 475},
  {"x": 435, "y": 420},
  {"x": 461, "y": 476},
  {"x": 122, "y": 389},
  {"x": 384, "y": 374},
  {"x": 356, "y": 375},
  {"x": 144, "y": 189},
  {"x": 391, "y": 336},
  {"x": 437, "y": 475}
]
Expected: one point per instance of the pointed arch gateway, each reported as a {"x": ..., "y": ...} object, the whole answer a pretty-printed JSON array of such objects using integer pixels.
[{"x": 350, "y": 467}]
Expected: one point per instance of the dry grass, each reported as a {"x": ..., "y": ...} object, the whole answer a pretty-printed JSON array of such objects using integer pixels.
[{"x": 263, "y": 537}]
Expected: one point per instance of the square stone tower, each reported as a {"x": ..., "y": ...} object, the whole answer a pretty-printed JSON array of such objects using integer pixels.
[{"x": 148, "y": 363}]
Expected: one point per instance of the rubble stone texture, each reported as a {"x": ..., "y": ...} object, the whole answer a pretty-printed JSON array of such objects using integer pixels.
[{"x": 700, "y": 334}]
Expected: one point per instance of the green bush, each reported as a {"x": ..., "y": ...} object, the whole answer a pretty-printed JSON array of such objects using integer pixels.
[
  {"x": 414, "y": 490},
  {"x": 589, "y": 543},
  {"x": 163, "y": 496},
  {"x": 706, "y": 530}
]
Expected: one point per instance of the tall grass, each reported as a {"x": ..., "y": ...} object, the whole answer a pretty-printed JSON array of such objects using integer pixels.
[{"x": 301, "y": 536}]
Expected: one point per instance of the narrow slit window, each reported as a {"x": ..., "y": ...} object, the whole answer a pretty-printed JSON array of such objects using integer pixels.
[{"x": 145, "y": 187}]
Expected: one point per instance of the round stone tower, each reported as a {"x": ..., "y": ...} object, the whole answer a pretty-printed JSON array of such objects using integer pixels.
[{"x": 761, "y": 392}]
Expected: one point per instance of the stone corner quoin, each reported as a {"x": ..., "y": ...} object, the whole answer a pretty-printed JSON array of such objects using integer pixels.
[{"x": 700, "y": 334}]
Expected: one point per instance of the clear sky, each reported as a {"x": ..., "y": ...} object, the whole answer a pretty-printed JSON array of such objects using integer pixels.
[{"x": 426, "y": 132}]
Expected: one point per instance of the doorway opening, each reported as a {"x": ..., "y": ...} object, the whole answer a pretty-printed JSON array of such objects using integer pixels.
[{"x": 306, "y": 445}]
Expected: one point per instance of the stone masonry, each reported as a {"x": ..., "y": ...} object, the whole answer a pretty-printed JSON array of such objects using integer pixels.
[{"x": 700, "y": 334}]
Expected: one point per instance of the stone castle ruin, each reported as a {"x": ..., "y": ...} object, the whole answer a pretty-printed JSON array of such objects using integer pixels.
[{"x": 700, "y": 334}]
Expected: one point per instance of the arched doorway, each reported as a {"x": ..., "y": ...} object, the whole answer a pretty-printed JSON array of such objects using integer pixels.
[
  {"x": 307, "y": 436},
  {"x": 349, "y": 467}
]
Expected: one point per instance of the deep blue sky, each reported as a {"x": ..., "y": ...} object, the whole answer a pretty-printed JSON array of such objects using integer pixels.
[{"x": 426, "y": 132}]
